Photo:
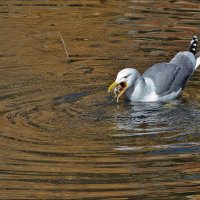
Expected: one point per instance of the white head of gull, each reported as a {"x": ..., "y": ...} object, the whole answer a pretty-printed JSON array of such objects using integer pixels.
[{"x": 161, "y": 82}]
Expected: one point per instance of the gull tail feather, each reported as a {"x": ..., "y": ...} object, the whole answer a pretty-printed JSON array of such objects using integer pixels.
[
  {"x": 197, "y": 60},
  {"x": 193, "y": 45}
]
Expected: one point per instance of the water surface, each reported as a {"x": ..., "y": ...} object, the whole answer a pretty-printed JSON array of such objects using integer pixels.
[{"x": 61, "y": 135}]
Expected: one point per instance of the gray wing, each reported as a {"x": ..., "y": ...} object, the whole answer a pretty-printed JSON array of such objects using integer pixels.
[
  {"x": 185, "y": 59},
  {"x": 170, "y": 77}
]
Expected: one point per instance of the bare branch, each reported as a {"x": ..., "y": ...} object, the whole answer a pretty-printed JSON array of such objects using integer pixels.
[
  {"x": 68, "y": 71},
  {"x": 61, "y": 37}
]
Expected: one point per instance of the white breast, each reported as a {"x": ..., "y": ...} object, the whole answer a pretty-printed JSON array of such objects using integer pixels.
[{"x": 144, "y": 92}]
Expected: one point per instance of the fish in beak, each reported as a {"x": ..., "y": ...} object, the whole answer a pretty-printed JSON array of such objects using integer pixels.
[{"x": 118, "y": 88}]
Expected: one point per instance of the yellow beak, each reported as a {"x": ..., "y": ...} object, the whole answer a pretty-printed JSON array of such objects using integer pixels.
[{"x": 113, "y": 86}]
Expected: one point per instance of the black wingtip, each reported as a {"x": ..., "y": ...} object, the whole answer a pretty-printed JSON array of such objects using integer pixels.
[{"x": 193, "y": 45}]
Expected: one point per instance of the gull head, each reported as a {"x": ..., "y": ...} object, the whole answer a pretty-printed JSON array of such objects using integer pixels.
[{"x": 126, "y": 78}]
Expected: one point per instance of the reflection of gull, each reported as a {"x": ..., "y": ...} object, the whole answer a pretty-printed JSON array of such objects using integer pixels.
[
  {"x": 161, "y": 82},
  {"x": 152, "y": 118},
  {"x": 146, "y": 118}
]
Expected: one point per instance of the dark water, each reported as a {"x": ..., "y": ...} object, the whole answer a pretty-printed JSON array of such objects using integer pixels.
[{"x": 62, "y": 136}]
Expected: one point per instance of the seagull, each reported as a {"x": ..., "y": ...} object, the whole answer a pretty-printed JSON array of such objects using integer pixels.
[{"x": 161, "y": 82}]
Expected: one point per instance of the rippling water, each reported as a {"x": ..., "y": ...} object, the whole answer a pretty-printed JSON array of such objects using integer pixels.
[{"x": 61, "y": 135}]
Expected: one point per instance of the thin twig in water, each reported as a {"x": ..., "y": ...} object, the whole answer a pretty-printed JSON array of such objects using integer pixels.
[
  {"x": 61, "y": 37},
  {"x": 68, "y": 71},
  {"x": 68, "y": 59}
]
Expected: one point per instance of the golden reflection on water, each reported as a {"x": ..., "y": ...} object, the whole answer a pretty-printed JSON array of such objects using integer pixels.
[{"x": 62, "y": 136}]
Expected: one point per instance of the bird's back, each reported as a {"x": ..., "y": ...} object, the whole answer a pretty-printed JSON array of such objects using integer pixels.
[{"x": 171, "y": 77}]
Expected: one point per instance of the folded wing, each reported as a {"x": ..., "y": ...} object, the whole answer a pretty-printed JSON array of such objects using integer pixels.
[{"x": 171, "y": 77}]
